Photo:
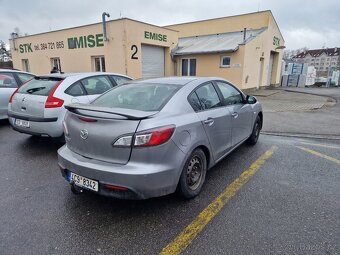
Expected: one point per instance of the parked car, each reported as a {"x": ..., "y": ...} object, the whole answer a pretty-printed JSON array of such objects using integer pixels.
[
  {"x": 10, "y": 80},
  {"x": 152, "y": 137},
  {"x": 36, "y": 108}
]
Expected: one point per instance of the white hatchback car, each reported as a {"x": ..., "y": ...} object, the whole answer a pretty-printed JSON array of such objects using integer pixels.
[{"x": 36, "y": 108}]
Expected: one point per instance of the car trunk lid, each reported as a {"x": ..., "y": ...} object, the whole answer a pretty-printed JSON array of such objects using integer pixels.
[{"x": 92, "y": 131}]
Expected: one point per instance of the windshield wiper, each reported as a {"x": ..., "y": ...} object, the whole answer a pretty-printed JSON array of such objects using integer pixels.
[{"x": 31, "y": 91}]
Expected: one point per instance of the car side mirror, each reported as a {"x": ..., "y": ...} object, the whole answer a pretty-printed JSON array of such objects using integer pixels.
[{"x": 251, "y": 100}]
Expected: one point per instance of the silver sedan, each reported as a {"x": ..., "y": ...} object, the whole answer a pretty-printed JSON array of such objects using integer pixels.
[{"x": 154, "y": 137}]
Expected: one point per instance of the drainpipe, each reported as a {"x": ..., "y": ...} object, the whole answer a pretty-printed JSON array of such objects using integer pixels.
[
  {"x": 105, "y": 14},
  {"x": 244, "y": 34}
]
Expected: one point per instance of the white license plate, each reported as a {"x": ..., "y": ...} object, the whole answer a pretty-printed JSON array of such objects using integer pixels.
[
  {"x": 83, "y": 182},
  {"x": 22, "y": 123}
]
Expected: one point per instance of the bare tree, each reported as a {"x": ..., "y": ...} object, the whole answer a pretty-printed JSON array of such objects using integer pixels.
[{"x": 5, "y": 55}]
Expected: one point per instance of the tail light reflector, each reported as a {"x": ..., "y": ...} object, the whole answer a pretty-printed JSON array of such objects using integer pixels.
[{"x": 109, "y": 186}]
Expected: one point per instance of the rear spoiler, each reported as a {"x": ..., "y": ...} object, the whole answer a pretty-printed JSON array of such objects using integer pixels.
[{"x": 127, "y": 113}]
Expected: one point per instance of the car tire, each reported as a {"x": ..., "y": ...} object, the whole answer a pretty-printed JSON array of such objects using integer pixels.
[
  {"x": 193, "y": 175},
  {"x": 252, "y": 140}
]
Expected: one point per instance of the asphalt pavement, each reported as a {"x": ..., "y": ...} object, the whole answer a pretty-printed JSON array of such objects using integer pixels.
[
  {"x": 302, "y": 111},
  {"x": 290, "y": 205}
]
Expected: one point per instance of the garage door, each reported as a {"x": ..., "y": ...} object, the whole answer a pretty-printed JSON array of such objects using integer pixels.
[{"x": 152, "y": 61}]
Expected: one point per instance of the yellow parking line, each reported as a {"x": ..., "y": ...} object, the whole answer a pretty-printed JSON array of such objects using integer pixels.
[
  {"x": 319, "y": 154},
  {"x": 197, "y": 225},
  {"x": 322, "y": 145}
]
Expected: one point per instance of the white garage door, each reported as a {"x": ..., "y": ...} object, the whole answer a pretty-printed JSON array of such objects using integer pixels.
[{"x": 152, "y": 61}]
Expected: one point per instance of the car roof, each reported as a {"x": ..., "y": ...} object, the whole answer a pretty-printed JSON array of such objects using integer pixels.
[
  {"x": 80, "y": 75},
  {"x": 170, "y": 80},
  {"x": 178, "y": 80},
  {"x": 14, "y": 71}
]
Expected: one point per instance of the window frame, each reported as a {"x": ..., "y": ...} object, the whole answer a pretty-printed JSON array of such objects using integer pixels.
[
  {"x": 93, "y": 60},
  {"x": 25, "y": 65},
  {"x": 189, "y": 59},
  {"x": 58, "y": 63},
  {"x": 221, "y": 62}
]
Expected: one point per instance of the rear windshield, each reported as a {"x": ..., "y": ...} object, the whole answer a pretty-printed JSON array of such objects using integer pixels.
[
  {"x": 138, "y": 96},
  {"x": 39, "y": 86}
]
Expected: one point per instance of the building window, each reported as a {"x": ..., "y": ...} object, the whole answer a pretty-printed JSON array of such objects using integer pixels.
[
  {"x": 225, "y": 61},
  {"x": 25, "y": 65},
  {"x": 55, "y": 64},
  {"x": 98, "y": 64},
  {"x": 188, "y": 67}
]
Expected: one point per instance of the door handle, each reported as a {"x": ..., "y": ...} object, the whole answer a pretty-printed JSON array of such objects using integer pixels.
[
  {"x": 235, "y": 115},
  {"x": 209, "y": 121}
]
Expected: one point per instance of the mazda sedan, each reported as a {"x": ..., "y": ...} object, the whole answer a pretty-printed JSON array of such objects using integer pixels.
[{"x": 154, "y": 137}]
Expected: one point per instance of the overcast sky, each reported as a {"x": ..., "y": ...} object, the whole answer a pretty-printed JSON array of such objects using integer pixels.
[{"x": 303, "y": 23}]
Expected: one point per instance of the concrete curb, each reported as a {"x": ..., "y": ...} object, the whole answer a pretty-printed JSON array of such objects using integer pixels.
[{"x": 303, "y": 135}]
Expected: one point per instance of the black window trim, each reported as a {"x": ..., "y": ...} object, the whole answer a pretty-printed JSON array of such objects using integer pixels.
[{"x": 201, "y": 85}]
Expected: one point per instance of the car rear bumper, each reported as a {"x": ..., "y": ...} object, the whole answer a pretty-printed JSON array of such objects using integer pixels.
[
  {"x": 51, "y": 127},
  {"x": 142, "y": 179}
]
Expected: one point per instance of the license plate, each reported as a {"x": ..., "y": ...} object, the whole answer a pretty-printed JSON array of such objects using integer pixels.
[
  {"x": 22, "y": 123},
  {"x": 82, "y": 181}
]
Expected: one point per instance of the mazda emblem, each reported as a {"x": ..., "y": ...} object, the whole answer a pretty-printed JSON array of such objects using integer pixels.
[{"x": 84, "y": 134}]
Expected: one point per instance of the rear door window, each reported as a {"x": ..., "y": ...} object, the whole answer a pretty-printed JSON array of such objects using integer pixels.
[
  {"x": 7, "y": 80},
  {"x": 119, "y": 79},
  {"x": 208, "y": 96},
  {"x": 195, "y": 102},
  {"x": 75, "y": 90},
  {"x": 39, "y": 86},
  {"x": 96, "y": 85}
]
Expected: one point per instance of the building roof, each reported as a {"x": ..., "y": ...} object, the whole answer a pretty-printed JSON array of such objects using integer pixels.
[
  {"x": 318, "y": 52},
  {"x": 215, "y": 43}
]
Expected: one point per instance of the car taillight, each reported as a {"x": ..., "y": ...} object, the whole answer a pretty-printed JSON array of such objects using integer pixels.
[
  {"x": 154, "y": 137},
  {"x": 11, "y": 98},
  {"x": 147, "y": 138},
  {"x": 54, "y": 102}
]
